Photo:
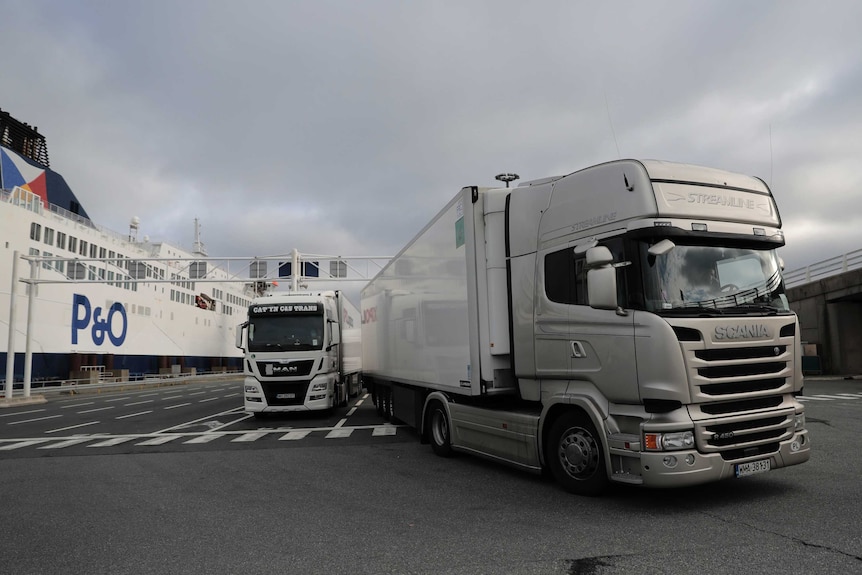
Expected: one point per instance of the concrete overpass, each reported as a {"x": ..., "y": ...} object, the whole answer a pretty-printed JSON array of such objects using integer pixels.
[{"x": 827, "y": 297}]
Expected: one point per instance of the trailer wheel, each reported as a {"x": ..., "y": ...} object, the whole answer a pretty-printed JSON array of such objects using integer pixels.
[
  {"x": 386, "y": 401},
  {"x": 575, "y": 454},
  {"x": 438, "y": 429}
]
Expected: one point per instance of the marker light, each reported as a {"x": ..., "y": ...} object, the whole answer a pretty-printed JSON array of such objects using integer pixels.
[{"x": 698, "y": 227}]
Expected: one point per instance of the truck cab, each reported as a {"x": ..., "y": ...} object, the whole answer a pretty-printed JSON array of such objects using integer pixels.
[{"x": 294, "y": 357}]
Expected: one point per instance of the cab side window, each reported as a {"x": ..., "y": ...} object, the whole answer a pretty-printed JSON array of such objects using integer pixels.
[{"x": 566, "y": 276}]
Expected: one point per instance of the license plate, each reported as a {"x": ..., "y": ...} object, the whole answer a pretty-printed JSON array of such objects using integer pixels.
[
  {"x": 752, "y": 468},
  {"x": 293, "y": 395}
]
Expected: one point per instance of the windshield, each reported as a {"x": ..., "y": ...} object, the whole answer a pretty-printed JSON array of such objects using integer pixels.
[
  {"x": 285, "y": 332},
  {"x": 720, "y": 278}
]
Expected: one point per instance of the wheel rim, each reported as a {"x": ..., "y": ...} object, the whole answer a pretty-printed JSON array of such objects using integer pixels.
[
  {"x": 578, "y": 452},
  {"x": 440, "y": 428}
]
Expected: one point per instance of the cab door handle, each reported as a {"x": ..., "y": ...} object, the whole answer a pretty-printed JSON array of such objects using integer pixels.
[{"x": 578, "y": 350}]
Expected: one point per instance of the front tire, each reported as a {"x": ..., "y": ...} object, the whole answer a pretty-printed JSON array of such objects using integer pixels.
[
  {"x": 439, "y": 429},
  {"x": 575, "y": 455}
]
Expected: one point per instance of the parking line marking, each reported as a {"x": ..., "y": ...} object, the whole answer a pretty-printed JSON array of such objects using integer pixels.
[
  {"x": 73, "y": 426},
  {"x": 21, "y": 412},
  {"x": 111, "y": 442},
  {"x": 66, "y": 443},
  {"x": 340, "y": 432},
  {"x": 34, "y": 419},
  {"x": 294, "y": 435},
  {"x": 133, "y": 414},
  {"x": 204, "y": 438},
  {"x": 97, "y": 409},
  {"x": 384, "y": 430},
  {"x": 25, "y": 443},
  {"x": 252, "y": 436},
  {"x": 158, "y": 440}
]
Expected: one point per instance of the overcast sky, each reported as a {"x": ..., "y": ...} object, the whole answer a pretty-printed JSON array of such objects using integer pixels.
[{"x": 342, "y": 127}]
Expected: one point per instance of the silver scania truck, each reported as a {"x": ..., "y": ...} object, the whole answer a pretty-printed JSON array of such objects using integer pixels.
[{"x": 624, "y": 323}]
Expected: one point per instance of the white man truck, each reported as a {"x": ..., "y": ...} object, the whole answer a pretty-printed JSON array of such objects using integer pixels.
[
  {"x": 302, "y": 352},
  {"x": 624, "y": 323}
]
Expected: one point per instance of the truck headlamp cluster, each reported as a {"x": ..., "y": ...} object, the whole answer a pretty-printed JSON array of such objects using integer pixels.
[
  {"x": 251, "y": 389},
  {"x": 799, "y": 421},
  {"x": 319, "y": 386},
  {"x": 669, "y": 441}
]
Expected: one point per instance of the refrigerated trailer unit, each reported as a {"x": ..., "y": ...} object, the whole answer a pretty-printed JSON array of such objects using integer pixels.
[
  {"x": 624, "y": 323},
  {"x": 302, "y": 352}
]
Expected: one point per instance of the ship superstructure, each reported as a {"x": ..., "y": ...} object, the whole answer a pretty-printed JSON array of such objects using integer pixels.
[{"x": 134, "y": 307}]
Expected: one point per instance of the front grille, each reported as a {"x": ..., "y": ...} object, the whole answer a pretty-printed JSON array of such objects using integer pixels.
[
  {"x": 285, "y": 369},
  {"x": 740, "y": 353},
  {"x": 720, "y": 372},
  {"x": 297, "y": 389},
  {"x": 736, "y": 434},
  {"x": 743, "y": 405},
  {"x": 742, "y": 386}
]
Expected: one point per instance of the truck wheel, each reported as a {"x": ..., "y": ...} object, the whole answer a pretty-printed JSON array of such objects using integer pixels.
[
  {"x": 575, "y": 454},
  {"x": 438, "y": 429}
]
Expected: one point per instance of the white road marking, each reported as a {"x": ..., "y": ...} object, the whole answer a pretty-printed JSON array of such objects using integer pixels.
[
  {"x": 67, "y": 443},
  {"x": 34, "y": 419},
  {"x": 341, "y": 432},
  {"x": 118, "y": 398},
  {"x": 77, "y": 405},
  {"x": 158, "y": 440},
  {"x": 24, "y": 443},
  {"x": 385, "y": 430},
  {"x": 351, "y": 412},
  {"x": 97, "y": 409},
  {"x": 198, "y": 420},
  {"x": 204, "y": 438},
  {"x": 133, "y": 414},
  {"x": 825, "y": 396},
  {"x": 73, "y": 427},
  {"x": 137, "y": 403},
  {"x": 253, "y": 436},
  {"x": 21, "y": 413},
  {"x": 111, "y": 442},
  {"x": 198, "y": 393},
  {"x": 208, "y": 399},
  {"x": 341, "y": 423},
  {"x": 231, "y": 395},
  {"x": 294, "y": 435},
  {"x": 177, "y": 405}
]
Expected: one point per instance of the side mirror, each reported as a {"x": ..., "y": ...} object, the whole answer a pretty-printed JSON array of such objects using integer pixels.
[
  {"x": 239, "y": 331},
  {"x": 334, "y": 333},
  {"x": 661, "y": 248},
  {"x": 601, "y": 278}
]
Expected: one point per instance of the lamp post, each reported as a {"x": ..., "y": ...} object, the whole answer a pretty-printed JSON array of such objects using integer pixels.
[{"x": 507, "y": 178}]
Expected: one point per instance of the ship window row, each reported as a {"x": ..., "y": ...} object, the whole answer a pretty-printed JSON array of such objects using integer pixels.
[{"x": 180, "y": 281}]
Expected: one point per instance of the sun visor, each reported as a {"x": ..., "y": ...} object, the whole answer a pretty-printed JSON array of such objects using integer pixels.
[{"x": 705, "y": 202}]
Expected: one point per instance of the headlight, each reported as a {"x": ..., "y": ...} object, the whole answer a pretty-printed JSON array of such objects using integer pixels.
[
  {"x": 669, "y": 441},
  {"x": 799, "y": 420},
  {"x": 319, "y": 387},
  {"x": 251, "y": 389}
]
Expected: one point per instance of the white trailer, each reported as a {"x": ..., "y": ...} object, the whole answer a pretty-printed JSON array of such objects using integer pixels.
[
  {"x": 626, "y": 322},
  {"x": 302, "y": 352}
]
